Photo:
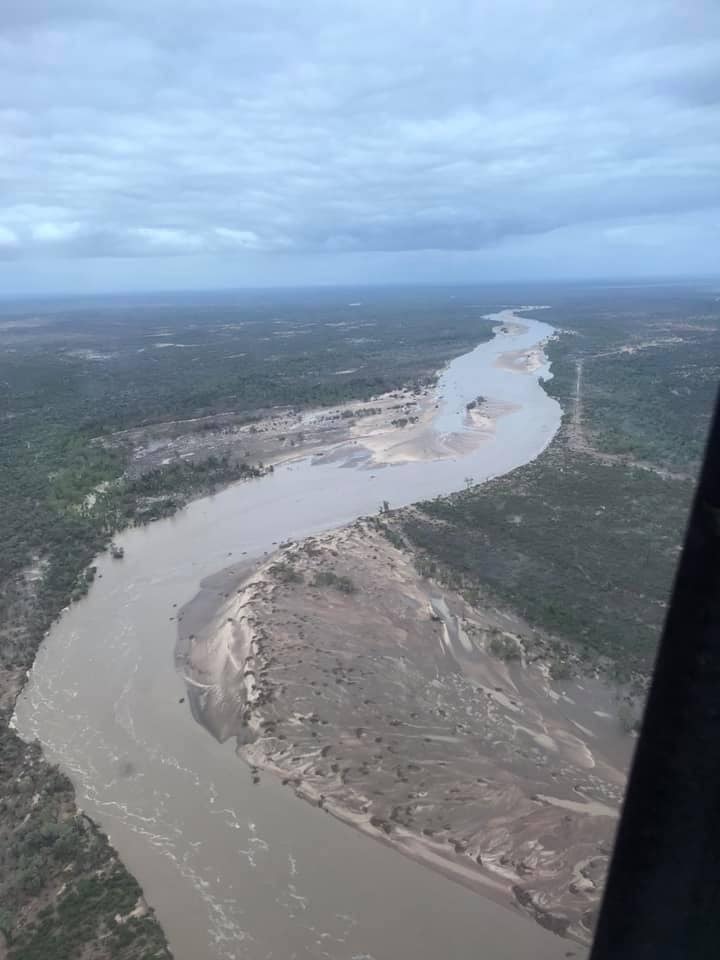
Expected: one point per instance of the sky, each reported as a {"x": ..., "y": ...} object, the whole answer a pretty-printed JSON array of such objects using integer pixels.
[{"x": 174, "y": 144}]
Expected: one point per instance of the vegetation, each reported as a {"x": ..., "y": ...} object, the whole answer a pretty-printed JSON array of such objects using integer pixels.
[
  {"x": 582, "y": 549},
  {"x": 53, "y": 855},
  {"x": 327, "y": 578},
  {"x": 504, "y": 647},
  {"x": 286, "y": 572},
  {"x": 649, "y": 371}
]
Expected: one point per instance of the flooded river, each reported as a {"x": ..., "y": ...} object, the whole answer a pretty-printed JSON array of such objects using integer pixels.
[{"x": 236, "y": 870}]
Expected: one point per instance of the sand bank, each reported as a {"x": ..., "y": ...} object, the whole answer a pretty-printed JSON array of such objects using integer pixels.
[{"x": 375, "y": 694}]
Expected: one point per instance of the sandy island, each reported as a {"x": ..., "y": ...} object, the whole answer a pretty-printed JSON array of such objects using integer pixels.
[{"x": 425, "y": 722}]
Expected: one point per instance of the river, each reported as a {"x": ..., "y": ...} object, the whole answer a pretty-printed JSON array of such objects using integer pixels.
[{"x": 236, "y": 870}]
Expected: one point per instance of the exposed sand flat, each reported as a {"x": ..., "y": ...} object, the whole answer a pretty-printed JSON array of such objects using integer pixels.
[
  {"x": 386, "y": 706},
  {"x": 522, "y": 361},
  {"x": 421, "y": 441},
  {"x": 403, "y": 426}
]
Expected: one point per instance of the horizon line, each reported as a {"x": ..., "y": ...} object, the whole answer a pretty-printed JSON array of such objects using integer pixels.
[{"x": 605, "y": 280}]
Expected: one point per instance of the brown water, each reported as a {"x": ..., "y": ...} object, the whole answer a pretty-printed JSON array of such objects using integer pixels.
[{"x": 236, "y": 870}]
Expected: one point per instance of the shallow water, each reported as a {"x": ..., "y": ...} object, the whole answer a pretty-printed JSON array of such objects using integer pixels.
[{"x": 236, "y": 870}]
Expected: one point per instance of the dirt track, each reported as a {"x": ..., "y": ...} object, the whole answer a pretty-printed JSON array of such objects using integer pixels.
[{"x": 578, "y": 439}]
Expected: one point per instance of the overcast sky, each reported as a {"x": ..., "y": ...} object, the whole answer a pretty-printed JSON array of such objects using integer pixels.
[{"x": 192, "y": 143}]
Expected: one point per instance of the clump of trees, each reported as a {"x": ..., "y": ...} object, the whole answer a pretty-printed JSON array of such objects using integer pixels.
[
  {"x": 504, "y": 647},
  {"x": 286, "y": 573},
  {"x": 328, "y": 578},
  {"x": 560, "y": 670}
]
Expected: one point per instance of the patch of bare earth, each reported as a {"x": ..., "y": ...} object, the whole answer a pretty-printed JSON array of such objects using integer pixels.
[
  {"x": 390, "y": 428},
  {"x": 424, "y": 721},
  {"x": 275, "y": 435}
]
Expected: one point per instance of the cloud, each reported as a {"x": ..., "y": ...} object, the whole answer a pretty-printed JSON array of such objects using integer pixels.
[
  {"x": 9, "y": 243},
  {"x": 48, "y": 232},
  {"x": 159, "y": 130},
  {"x": 161, "y": 240}
]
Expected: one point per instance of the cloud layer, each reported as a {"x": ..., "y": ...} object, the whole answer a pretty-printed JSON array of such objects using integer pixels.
[{"x": 176, "y": 129}]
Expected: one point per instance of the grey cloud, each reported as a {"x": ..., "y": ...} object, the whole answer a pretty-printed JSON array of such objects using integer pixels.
[{"x": 169, "y": 130}]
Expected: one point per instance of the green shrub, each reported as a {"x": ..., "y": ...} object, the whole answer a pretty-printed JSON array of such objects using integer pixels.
[{"x": 326, "y": 578}]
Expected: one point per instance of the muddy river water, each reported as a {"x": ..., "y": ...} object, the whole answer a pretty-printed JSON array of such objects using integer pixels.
[{"x": 236, "y": 870}]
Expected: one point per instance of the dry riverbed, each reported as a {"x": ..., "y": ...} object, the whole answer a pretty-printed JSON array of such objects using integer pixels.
[{"x": 431, "y": 724}]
